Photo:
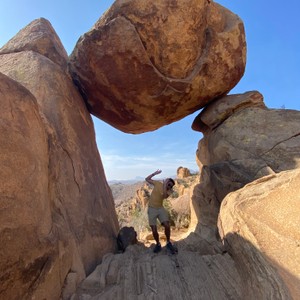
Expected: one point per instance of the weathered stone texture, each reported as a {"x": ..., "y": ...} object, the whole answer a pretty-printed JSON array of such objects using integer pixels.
[
  {"x": 56, "y": 187},
  {"x": 244, "y": 141},
  {"x": 24, "y": 207},
  {"x": 143, "y": 65},
  {"x": 268, "y": 136},
  {"x": 38, "y": 36},
  {"x": 241, "y": 143},
  {"x": 217, "y": 112},
  {"x": 146, "y": 64},
  {"x": 260, "y": 224},
  {"x": 137, "y": 273}
]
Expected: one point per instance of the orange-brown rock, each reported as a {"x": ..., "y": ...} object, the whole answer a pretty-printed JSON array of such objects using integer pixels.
[
  {"x": 57, "y": 212},
  {"x": 217, "y": 112},
  {"x": 183, "y": 172},
  {"x": 38, "y": 36},
  {"x": 260, "y": 256},
  {"x": 260, "y": 225},
  {"x": 255, "y": 136},
  {"x": 26, "y": 256},
  {"x": 142, "y": 195},
  {"x": 241, "y": 144},
  {"x": 146, "y": 64}
]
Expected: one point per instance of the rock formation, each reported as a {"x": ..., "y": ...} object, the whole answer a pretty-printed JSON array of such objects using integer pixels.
[
  {"x": 139, "y": 274},
  {"x": 260, "y": 225},
  {"x": 143, "y": 65},
  {"x": 142, "y": 195},
  {"x": 39, "y": 37},
  {"x": 243, "y": 141},
  {"x": 25, "y": 210},
  {"x": 127, "y": 236},
  {"x": 57, "y": 212},
  {"x": 183, "y": 172},
  {"x": 146, "y": 64}
]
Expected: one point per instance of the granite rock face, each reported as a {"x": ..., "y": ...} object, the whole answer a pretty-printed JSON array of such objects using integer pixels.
[
  {"x": 146, "y": 64},
  {"x": 38, "y": 36},
  {"x": 260, "y": 225},
  {"x": 243, "y": 141},
  {"x": 138, "y": 274},
  {"x": 143, "y": 65},
  {"x": 260, "y": 138},
  {"x": 216, "y": 113},
  {"x": 24, "y": 207},
  {"x": 244, "y": 155},
  {"x": 57, "y": 212}
]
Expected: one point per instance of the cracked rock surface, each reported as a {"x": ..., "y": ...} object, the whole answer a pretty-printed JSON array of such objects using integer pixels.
[
  {"x": 54, "y": 195},
  {"x": 140, "y": 274},
  {"x": 243, "y": 141},
  {"x": 146, "y": 64},
  {"x": 260, "y": 223},
  {"x": 239, "y": 128}
]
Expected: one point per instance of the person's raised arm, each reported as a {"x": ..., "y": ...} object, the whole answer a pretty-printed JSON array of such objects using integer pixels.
[{"x": 149, "y": 177}]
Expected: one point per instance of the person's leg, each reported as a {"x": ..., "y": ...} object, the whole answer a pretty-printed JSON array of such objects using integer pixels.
[
  {"x": 166, "y": 224},
  {"x": 157, "y": 247},
  {"x": 152, "y": 215},
  {"x": 155, "y": 233},
  {"x": 168, "y": 234},
  {"x": 164, "y": 218}
]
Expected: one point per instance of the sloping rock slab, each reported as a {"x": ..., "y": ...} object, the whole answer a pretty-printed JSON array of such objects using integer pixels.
[
  {"x": 24, "y": 210},
  {"x": 260, "y": 224},
  {"x": 140, "y": 274}
]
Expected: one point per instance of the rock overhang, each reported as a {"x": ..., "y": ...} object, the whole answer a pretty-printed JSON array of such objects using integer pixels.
[{"x": 144, "y": 65}]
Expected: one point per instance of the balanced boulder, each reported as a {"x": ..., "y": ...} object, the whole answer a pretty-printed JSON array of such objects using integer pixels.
[{"x": 146, "y": 64}]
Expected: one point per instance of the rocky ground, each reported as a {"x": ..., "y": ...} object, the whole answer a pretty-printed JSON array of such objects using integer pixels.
[
  {"x": 204, "y": 271},
  {"x": 138, "y": 273},
  {"x": 245, "y": 267}
]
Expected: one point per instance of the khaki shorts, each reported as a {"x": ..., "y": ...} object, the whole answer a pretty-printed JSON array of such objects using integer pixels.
[{"x": 157, "y": 213}]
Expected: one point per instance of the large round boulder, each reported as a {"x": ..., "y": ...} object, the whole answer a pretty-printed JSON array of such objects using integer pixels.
[{"x": 146, "y": 64}]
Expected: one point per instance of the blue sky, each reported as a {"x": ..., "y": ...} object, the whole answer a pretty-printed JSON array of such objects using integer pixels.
[{"x": 273, "y": 68}]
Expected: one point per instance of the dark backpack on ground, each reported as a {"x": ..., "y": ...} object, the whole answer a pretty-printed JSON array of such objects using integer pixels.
[{"x": 127, "y": 236}]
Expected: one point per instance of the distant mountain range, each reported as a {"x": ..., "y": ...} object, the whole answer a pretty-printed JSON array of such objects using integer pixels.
[
  {"x": 126, "y": 181},
  {"x": 138, "y": 179}
]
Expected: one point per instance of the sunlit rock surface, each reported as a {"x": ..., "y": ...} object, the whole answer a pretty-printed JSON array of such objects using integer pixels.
[
  {"x": 243, "y": 141},
  {"x": 265, "y": 214},
  {"x": 57, "y": 212},
  {"x": 146, "y": 64}
]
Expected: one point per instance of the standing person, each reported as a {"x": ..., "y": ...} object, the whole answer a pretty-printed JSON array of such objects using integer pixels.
[{"x": 156, "y": 210}]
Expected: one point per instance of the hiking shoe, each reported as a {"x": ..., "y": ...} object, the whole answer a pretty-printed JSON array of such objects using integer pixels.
[
  {"x": 171, "y": 248},
  {"x": 157, "y": 248}
]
